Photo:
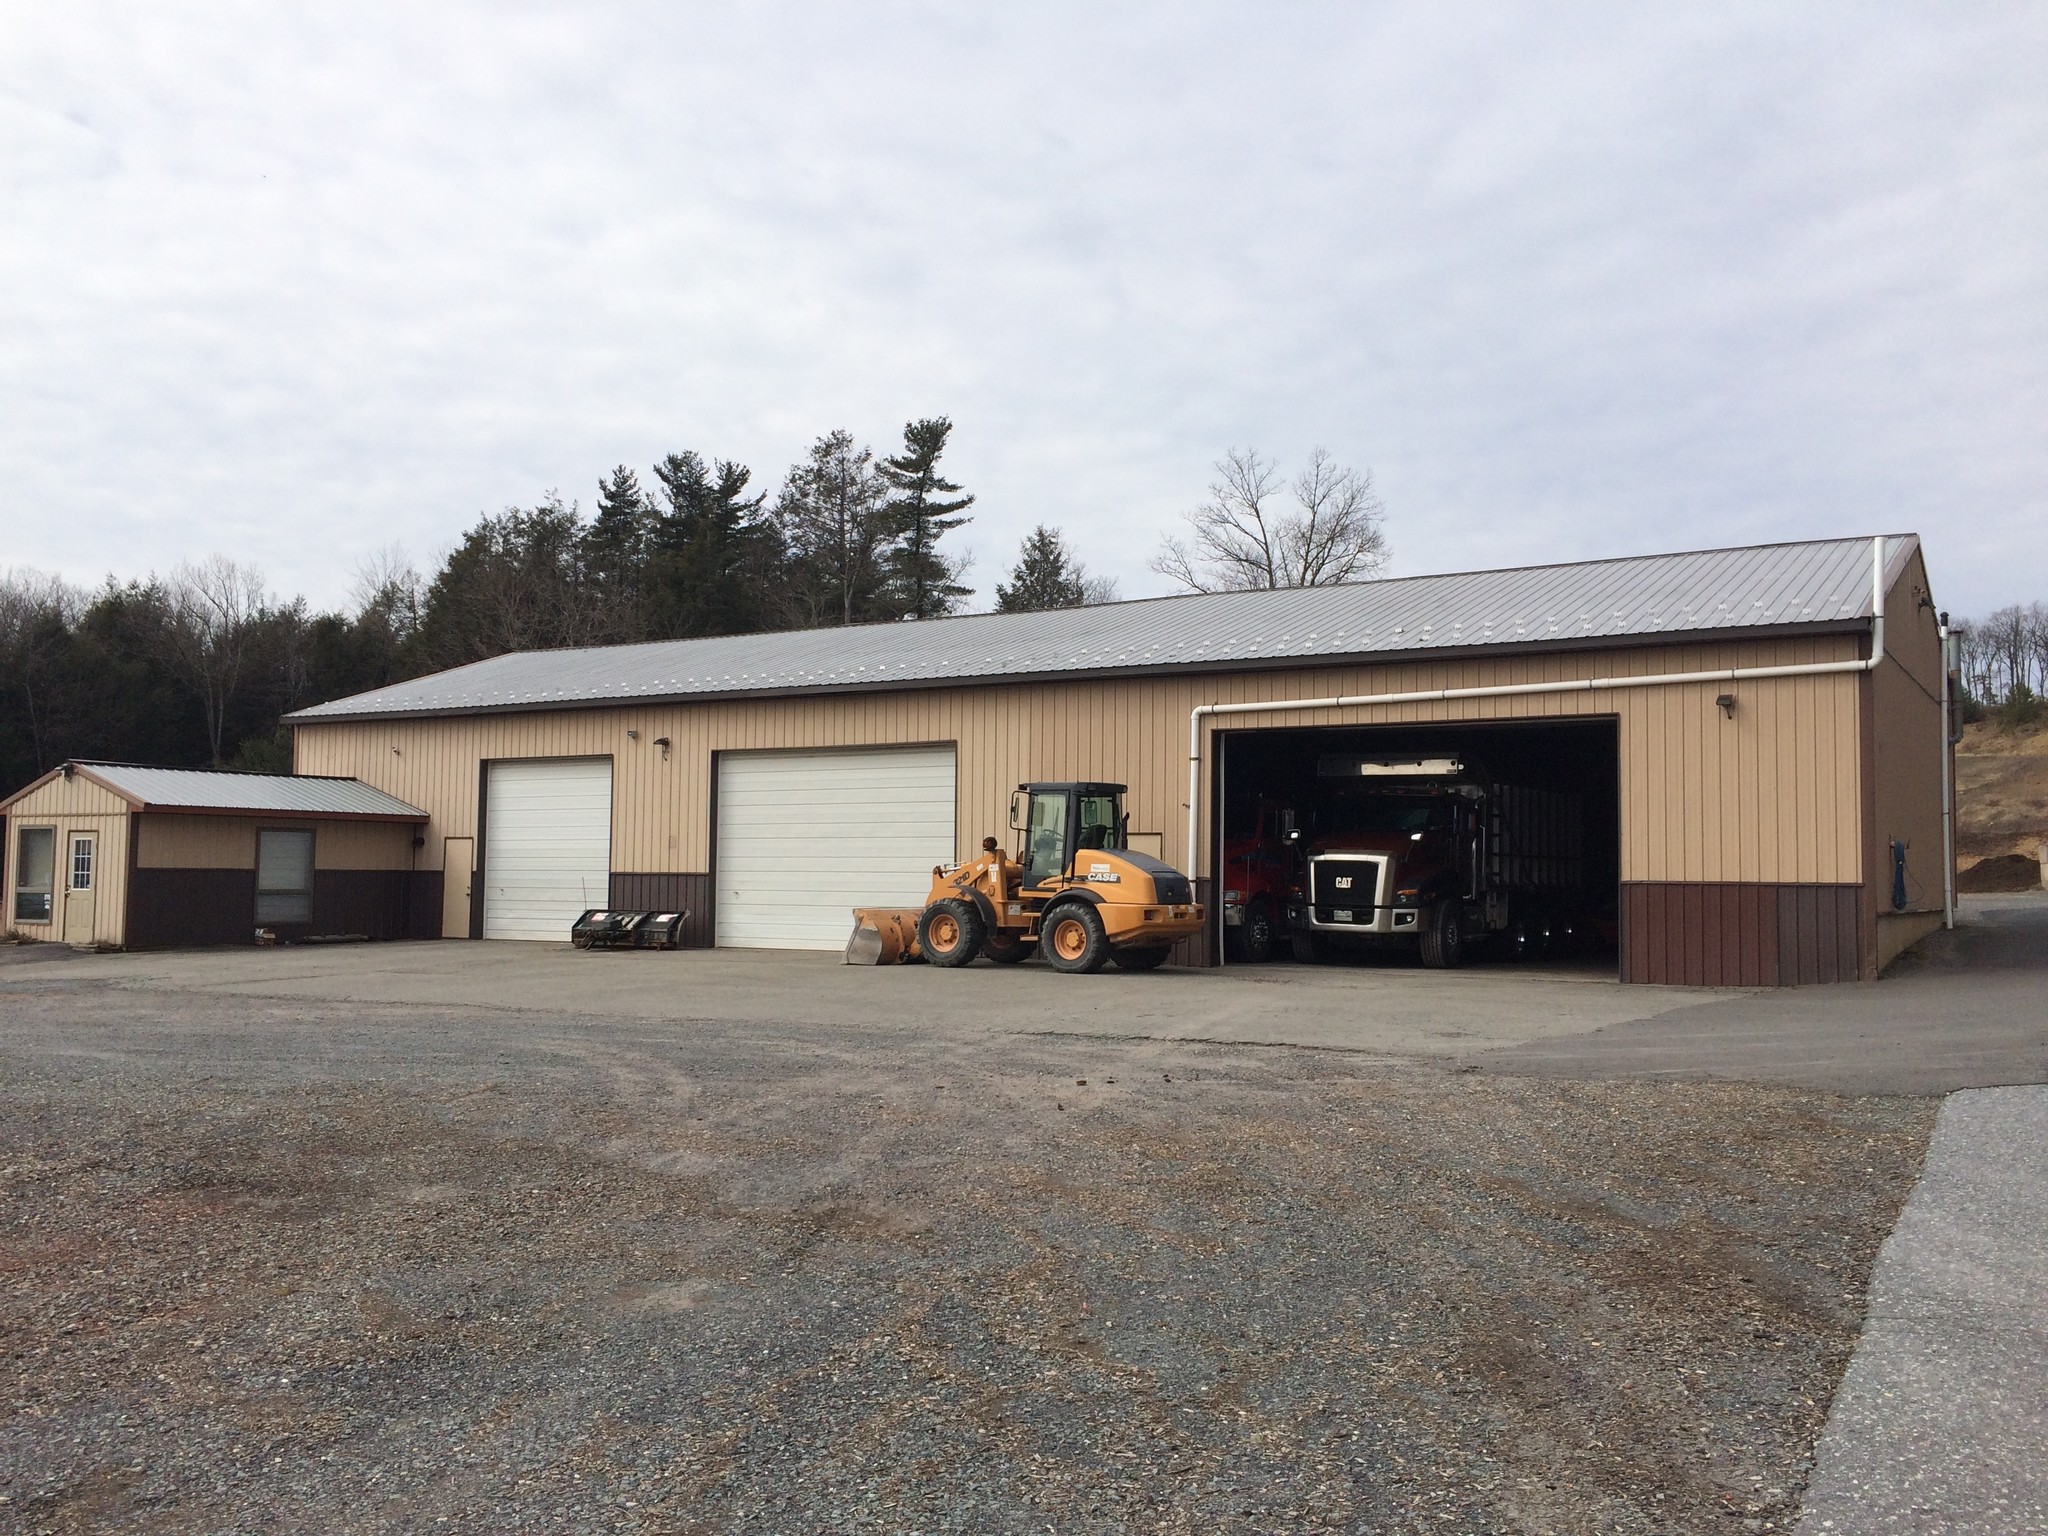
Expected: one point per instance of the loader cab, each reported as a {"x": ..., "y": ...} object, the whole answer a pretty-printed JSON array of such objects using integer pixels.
[{"x": 1058, "y": 821}]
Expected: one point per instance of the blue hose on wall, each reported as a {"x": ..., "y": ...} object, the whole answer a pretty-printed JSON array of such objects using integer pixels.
[{"x": 1898, "y": 876}]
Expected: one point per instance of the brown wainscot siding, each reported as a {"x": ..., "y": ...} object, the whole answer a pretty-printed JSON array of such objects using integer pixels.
[
  {"x": 672, "y": 893},
  {"x": 189, "y": 908},
  {"x": 374, "y": 903},
  {"x": 1728, "y": 934}
]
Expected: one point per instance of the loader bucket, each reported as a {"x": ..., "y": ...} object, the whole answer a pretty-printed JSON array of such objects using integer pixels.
[{"x": 883, "y": 936}]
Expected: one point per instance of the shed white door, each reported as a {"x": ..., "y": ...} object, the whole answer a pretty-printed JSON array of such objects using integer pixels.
[
  {"x": 547, "y": 846},
  {"x": 805, "y": 837}
]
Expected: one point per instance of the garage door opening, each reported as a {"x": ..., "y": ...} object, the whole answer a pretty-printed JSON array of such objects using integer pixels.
[
  {"x": 805, "y": 837},
  {"x": 1495, "y": 843},
  {"x": 547, "y": 845}
]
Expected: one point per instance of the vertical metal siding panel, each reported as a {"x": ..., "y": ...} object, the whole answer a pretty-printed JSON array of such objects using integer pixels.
[
  {"x": 1789, "y": 791},
  {"x": 1807, "y": 904},
  {"x": 1695, "y": 921},
  {"x": 1695, "y": 790},
  {"x": 1714, "y": 935},
  {"x": 1825, "y": 942},
  {"x": 1666, "y": 945},
  {"x": 1750, "y": 725}
]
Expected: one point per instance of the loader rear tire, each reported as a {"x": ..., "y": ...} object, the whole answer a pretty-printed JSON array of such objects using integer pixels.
[
  {"x": 1005, "y": 949},
  {"x": 1146, "y": 957},
  {"x": 1072, "y": 940},
  {"x": 950, "y": 932}
]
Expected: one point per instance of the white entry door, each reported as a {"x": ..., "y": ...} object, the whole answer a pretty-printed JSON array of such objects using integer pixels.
[
  {"x": 547, "y": 846},
  {"x": 805, "y": 837}
]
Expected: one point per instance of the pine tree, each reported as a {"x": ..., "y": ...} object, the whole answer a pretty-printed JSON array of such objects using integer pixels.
[
  {"x": 1046, "y": 576},
  {"x": 615, "y": 550},
  {"x": 924, "y": 506},
  {"x": 713, "y": 552},
  {"x": 836, "y": 527}
]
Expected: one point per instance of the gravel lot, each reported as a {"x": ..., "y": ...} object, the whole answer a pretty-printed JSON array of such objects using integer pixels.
[{"x": 356, "y": 1267}]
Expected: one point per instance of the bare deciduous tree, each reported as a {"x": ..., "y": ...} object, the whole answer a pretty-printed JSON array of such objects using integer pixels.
[
  {"x": 387, "y": 586},
  {"x": 36, "y": 608},
  {"x": 214, "y": 609},
  {"x": 1244, "y": 539}
]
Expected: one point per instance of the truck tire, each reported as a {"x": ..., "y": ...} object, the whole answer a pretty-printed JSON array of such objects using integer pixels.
[
  {"x": 1309, "y": 948},
  {"x": 1072, "y": 940},
  {"x": 1252, "y": 941},
  {"x": 950, "y": 932},
  {"x": 1443, "y": 943},
  {"x": 1141, "y": 957},
  {"x": 1005, "y": 948}
]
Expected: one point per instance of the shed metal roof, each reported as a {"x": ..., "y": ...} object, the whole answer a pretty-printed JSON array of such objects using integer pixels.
[
  {"x": 1597, "y": 603},
  {"x": 213, "y": 790}
]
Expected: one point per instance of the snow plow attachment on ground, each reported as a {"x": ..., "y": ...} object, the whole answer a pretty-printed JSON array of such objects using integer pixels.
[{"x": 883, "y": 936}]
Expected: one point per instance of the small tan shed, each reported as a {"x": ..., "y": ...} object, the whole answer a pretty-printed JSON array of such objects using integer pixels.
[{"x": 126, "y": 857}]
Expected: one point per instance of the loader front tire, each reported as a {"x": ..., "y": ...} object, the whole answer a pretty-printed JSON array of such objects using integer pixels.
[
  {"x": 1072, "y": 940},
  {"x": 950, "y": 932}
]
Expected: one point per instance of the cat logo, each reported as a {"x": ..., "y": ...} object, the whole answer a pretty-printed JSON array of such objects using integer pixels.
[{"x": 1343, "y": 882}]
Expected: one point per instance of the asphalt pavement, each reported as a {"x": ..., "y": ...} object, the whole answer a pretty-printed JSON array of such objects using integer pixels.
[{"x": 1941, "y": 1423}]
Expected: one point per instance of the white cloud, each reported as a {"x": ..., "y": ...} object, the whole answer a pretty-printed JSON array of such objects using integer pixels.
[{"x": 297, "y": 284}]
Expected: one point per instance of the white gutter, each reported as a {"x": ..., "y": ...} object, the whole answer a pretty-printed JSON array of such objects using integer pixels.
[{"x": 1869, "y": 663}]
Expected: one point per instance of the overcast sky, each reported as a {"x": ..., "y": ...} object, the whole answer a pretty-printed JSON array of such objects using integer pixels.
[{"x": 294, "y": 283}]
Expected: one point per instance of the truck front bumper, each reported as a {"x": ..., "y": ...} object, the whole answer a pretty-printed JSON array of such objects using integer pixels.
[{"x": 1362, "y": 922}]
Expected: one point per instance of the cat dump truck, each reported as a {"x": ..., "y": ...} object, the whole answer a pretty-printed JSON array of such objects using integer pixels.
[
  {"x": 1075, "y": 893},
  {"x": 1437, "y": 855}
]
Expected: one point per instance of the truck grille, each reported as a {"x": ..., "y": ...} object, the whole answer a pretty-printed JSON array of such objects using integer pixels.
[{"x": 1344, "y": 890}]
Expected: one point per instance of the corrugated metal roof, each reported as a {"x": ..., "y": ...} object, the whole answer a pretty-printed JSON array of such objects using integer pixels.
[
  {"x": 1599, "y": 602},
  {"x": 203, "y": 789}
]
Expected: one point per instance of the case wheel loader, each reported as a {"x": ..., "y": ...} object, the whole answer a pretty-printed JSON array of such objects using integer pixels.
[{"x": 1075, "y": 894}]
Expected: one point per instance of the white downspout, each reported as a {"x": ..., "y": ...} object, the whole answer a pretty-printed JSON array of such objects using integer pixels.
[
  {"x": 1948, "y": 788},
  {"x": 1508, "y": 690}
]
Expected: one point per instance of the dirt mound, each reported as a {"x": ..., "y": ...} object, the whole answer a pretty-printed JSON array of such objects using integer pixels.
[
  {"x": 2001, "y": 789},
  {"x": 2006, "y": 872}
]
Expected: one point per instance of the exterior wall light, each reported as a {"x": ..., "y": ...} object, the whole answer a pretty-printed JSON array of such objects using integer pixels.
[{"x": 1727, "y": 703}]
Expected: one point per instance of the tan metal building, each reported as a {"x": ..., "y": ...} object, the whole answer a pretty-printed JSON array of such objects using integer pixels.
[
  {"x": 1762, "y": 730},
  {"x": 119, "y": 856}
]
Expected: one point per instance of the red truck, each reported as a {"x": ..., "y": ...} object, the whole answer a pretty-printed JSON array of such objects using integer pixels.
[
  {"x": 1435, "y": 854},
  {"x": 1258, "y": 876}
]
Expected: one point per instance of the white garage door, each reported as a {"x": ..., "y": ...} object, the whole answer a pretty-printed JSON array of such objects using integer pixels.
[
  {"x": 805, "y": 837},
  {"x": 547, "y": 846}
]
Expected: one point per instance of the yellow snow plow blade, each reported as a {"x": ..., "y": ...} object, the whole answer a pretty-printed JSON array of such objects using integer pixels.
[{"x": 883, "y": 936}]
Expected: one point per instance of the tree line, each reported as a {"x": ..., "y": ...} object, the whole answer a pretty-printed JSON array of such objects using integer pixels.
[
  {"x": 196, "y": 667},
  {"x": 2004, "y": 662}
]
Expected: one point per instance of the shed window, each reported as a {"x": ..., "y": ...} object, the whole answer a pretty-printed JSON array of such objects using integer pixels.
[
  {"x": 284, "y": 876},
  {"x": 35, "y": 874}
]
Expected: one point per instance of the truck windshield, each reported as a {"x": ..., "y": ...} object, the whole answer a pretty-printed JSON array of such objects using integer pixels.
[{"x": 1378, "y": 818}]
